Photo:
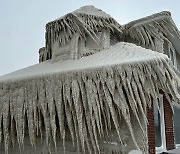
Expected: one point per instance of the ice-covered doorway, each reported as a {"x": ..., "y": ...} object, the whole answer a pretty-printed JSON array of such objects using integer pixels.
[{"x": 159, "y": 125}]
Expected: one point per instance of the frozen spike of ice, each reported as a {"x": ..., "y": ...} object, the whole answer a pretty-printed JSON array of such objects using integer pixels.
[
  {"x": 13, "y": 131},
  {"x": 88, "y": 120},
  {"x": 100, "y": 95},
  {"x": 84, "y": 104},
  {"x": 75, "y": 123},
  {"x": 60, "y": 109},
  {"x": 126, "y": 113},
  {"x": 79, "y": 110},
  {"x": 69, "y": 108},
  {"x": 94, "y": 101},
  {"x": 99, "y": 113},
  {"x": 138, "y": 99},
  {"x": 91, "y": 102},
  {"x": 112, "y": 110},
  {"x": 6, "y": 121},
  {"x": 51, "y": 108}
]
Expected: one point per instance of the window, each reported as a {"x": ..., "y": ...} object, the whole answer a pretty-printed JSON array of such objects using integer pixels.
[
  {"x": 176, "y": 118},
  {"x": 157, "y": 125},
  {"x": 90, "y": 44},
  {"x": 172, "y": 56}
]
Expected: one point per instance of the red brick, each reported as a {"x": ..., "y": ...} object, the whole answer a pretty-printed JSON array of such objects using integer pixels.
[{"x": 169, "y": 130}]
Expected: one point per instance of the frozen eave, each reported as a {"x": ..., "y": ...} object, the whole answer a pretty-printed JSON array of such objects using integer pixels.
[
  {"x": 120, "y": 54},
  {"x": 148, "y": 19},
  {"x": 154, "y": 31}
]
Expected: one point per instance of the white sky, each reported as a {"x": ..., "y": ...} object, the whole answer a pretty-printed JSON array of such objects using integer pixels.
[{"x": 22, "y": 23}]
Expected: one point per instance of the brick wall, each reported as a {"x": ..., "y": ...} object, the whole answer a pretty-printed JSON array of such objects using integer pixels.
[
  {"x": 169, "y": 129},
  {"x": 150, "y": 129}
]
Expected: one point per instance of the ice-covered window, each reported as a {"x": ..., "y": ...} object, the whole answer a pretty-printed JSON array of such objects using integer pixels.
[
  {"x": 172, "y": 56},
  {"x": 90, "y": 44},
  {"x": 176, "y": 118},
  {"x": 157, "y": 125},
  {"x": 114, "y": 38}
]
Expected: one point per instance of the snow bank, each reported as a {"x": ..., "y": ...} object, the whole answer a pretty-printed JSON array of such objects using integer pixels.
[{"x": 135, "y": 152}]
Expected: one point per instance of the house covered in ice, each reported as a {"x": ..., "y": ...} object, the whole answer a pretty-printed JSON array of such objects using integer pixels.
[{"x": 99, "y": 88}]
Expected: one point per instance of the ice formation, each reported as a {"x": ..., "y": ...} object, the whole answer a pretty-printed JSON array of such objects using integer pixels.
[
  {"x": 86, "y": 98},
  {"x": 84, "y": 22},
  {"x": 156, "y": 32},
  {"x": 99, "y": 99},
  {"x": 153, "y": 32}
]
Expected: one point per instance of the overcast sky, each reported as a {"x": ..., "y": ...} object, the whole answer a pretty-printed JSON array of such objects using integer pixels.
[{"x": 22, "y": 23}]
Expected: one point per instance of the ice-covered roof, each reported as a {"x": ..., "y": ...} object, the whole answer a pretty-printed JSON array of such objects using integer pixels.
[
  {"x": 145, "y": 20},
  {"x": 149, "y": 30},
  {"x": 88, "y": 10},
  {"x": 84, "y": 21},
  {"x": 120, "y": 54},
  {"x": 91, "y": 10}
]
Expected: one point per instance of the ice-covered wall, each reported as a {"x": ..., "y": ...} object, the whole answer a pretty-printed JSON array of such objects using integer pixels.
[
  {"x": 89, "y": 47},
  {"x": 43, "y": 55},
  {"x": 87, "y": 22},
  {"x": 66, "y": 50},
  {"x": 77, "y": 47}
]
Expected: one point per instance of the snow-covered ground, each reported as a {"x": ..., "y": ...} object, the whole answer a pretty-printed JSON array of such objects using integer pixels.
[{"x": 174, "y": 151}]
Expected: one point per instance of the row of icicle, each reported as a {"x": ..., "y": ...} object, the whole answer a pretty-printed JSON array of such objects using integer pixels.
[
  {"x": 150, "y": 29},
  {"x": 87, "y": 104}
]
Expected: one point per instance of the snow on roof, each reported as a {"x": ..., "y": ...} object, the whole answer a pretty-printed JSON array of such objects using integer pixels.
[
  {"x": 120, "y": 54},
  {"x": 89, "y": 10},
  {"x": 145, "y": 20}
]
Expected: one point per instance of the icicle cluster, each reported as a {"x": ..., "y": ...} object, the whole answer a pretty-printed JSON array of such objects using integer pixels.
[
  {"x": 84, "y": 24},
  {"x": 152, "y": 31},
  {"x": 88, "y": 104}
]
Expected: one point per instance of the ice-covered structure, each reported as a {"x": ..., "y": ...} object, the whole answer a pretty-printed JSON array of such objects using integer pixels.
[
  {"x": 92, "y": 92},
  {"x": 80, "y": 33}
]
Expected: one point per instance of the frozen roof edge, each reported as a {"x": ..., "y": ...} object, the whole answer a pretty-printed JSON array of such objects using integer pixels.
[
  {"x": 119, "y": 54},
  {"x": 147, "y": 19},
  {"x": 151, "y": 25},
  {"x": 90, "y": 10}
]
